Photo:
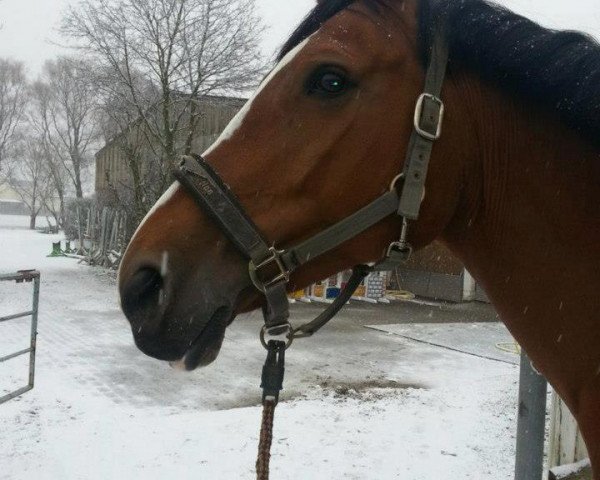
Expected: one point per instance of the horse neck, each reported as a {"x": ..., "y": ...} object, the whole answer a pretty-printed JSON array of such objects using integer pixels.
[{"x": 528, "y": 229}]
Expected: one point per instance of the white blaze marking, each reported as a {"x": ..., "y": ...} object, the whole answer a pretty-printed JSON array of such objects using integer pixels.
[
  {"x": 238, "y": 120},
  {"x": 164, "y": 264}
]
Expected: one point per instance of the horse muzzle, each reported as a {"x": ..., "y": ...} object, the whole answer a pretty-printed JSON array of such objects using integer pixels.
[{"x": 178, "y": 315}]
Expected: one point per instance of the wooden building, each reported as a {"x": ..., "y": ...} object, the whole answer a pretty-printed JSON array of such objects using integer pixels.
[{"x": 216, "y": 113}]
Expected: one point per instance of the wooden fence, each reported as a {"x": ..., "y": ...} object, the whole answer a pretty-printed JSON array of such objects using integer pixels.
[
  {"x": 101, "y": 236},
  {"x": 566, "y": 443}
]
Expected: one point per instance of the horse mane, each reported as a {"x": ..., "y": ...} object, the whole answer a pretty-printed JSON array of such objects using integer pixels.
[{"x": 556, "y": 70}]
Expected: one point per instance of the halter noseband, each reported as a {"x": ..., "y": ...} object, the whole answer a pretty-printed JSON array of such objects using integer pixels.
[{"x": 270, "y": 268}]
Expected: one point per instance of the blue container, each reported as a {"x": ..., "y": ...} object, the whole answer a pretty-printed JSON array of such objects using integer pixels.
[{"x": 332, "y": 292}]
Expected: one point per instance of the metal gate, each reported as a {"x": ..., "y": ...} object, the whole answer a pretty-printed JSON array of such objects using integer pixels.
[{"x": 24, "y": 276}]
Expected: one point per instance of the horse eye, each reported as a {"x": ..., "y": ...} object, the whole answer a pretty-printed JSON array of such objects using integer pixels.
[{"x": 328, "y": 83}]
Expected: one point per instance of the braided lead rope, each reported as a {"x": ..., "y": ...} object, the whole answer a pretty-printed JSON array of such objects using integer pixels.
[
  {"x": 265, "y": 441},
  {"x": 271, "y": 384}
]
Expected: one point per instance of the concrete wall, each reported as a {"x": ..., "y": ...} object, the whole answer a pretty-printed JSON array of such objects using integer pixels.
[
  {"x": 435, "y": 273},
  {"x": 437, "y": 286}
]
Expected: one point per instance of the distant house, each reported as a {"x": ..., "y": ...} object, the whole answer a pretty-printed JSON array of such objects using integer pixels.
[
  {"x": 10, "y": 201},
  {"x": 217, "y": 112}
]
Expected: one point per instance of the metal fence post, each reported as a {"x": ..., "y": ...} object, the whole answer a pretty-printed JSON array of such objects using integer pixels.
[{"x": 531, "y": 422}]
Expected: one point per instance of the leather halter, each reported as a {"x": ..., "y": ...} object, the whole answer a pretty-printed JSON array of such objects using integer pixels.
[{"x": 270, "y": 268}]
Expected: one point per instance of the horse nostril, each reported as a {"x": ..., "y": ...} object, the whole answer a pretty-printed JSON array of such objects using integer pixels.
[{"x": 142, "y": 292}]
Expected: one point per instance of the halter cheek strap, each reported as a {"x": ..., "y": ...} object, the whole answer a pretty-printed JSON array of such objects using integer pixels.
[
  {"x": 270, "y": 268},
  {"x": 216, "y": 199},
  {"x": 427, "y": 122}
]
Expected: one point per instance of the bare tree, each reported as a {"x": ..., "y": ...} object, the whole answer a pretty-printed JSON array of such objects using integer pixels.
[
  {"x": 13, "y": 99},
  {"x": 29, "y": 177},
  {"x": 65, "y": 102},
  {"x": 40, "y": 122},
  {"x": 158, "y": 56}
]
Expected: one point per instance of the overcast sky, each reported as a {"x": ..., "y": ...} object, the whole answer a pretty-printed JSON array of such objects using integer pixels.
[{"x": 28, "y": 25}]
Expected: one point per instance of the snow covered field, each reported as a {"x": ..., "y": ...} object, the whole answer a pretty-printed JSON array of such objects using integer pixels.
[{"x": 358, "y": 403}]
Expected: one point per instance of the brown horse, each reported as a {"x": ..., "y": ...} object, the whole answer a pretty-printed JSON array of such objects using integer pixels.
[{"x": 513, "y": 187}]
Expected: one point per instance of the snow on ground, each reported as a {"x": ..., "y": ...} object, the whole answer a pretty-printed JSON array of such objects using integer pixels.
[{"x": 358, "y": 403}]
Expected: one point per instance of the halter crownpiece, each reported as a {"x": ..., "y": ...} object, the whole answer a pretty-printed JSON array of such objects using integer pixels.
[{"x": 270, "y": 268}]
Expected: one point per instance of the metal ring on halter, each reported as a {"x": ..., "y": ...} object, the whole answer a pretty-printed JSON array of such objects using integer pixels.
[
  {"x": 396, "y": 179},
  {"x": 289, "y": 336}
]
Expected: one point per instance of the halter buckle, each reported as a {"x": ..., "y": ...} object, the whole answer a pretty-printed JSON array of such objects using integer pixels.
[
  {"x": 425, "y": 103},
  {"x": 275, "y": 259}
]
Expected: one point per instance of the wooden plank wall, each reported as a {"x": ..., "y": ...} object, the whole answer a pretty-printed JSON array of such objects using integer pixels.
[{"x": 566, "y": 442}]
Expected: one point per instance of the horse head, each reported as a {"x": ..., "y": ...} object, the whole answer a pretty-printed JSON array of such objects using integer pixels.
[{"x": 325, "y": 134}]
